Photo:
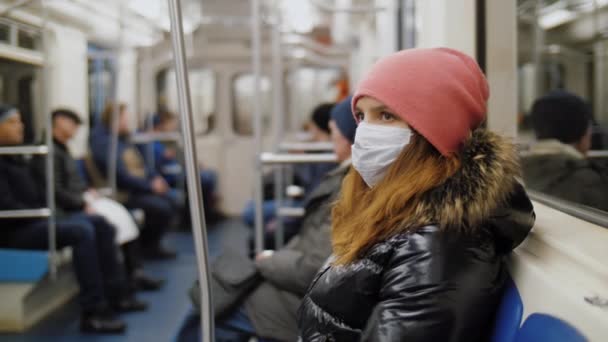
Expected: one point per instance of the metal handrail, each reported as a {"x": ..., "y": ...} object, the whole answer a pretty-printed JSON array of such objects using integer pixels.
[
  {"x": 306, "y": 146},
  {"x": 195, "y": 192},
  {"x": 352, "y": 9},
  {"x": 589, "y": 214},
  {"x": 24, "y": 150},
  {"x": 290, "y": 212},
  {"x": 145, "y": 138},
  {"x": 597, "y": 154},
  {"x": 268, "y": 158},
  {"x": 26, "y": 213}
]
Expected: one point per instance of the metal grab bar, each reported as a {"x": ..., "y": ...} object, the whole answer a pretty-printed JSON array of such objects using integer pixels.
[
  {"x": 306, "y": 146},
  {"x": 145, "y": 138},
  {"x": 27, "y": 150},
  {"x": 197, "y": 210},
  {"x": 256, "y": 64},
  {"x": 291, "y": 212},
  {"x": 597, "y": 154},
  {"x": 268, "y": 158},
  {"x": 26, "y": 213}
]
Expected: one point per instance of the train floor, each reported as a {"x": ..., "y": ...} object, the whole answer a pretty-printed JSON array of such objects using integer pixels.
[{"x": 167, "y": 307}]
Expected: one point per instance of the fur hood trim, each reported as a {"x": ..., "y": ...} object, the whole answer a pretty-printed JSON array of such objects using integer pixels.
[{"x": 486, "y": 178}]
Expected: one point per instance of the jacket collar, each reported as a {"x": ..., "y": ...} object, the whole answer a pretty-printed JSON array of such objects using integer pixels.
[
  {"x": 484, "y": 182},
  {"x": 553, "y": 146}
]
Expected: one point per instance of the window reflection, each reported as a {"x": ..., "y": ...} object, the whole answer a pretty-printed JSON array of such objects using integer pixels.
[
  {"x": 563, "y": 107},
  {"x": 202, "y": 92}
]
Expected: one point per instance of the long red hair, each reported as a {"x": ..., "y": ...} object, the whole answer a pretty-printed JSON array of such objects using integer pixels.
[{"x": 364, "y": 216}]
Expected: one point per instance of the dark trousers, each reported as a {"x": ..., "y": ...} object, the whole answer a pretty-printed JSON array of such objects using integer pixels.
[
  {"x": 94, "y": 255},
  {"x": 159, "y": 211}
]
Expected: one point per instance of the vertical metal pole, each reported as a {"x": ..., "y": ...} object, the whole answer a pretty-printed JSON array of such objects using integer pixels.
[
  {"x": 197, "y": 211},
  {"x": 50, "y": 162},
  {"x": 115, "y": 123},
  {"x": 538, "y": 49},
  {"x": 279, "y": 114},
  {"x": 256, "y": 61},
  {"x": 150, "y": 147}
]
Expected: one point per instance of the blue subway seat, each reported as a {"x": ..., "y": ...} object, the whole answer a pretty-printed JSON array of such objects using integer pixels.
[
  {"x": 509, "y": 314},
  {"x": 23, "y": 265},
  {"x": 543, "y": 327}
]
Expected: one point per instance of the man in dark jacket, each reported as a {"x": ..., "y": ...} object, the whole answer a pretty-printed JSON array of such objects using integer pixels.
[
  {"x": 557, "y": 164},
  {"x": 144, "y": 188},
  {"x": 94, "y": 255},
  {"x": 70, "y": 191},
  {"x": 270, "y": 310}
]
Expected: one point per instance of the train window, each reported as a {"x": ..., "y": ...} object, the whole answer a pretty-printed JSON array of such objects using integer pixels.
[
  {"x": 562, "y": 103},
  {"x": 4, "y": 33},
  {"x": 242, "y": 90},
  {"x": 308, "y": 87},
  {"x": 27, "y": 40},
  {"x": 202, "y": 91}
]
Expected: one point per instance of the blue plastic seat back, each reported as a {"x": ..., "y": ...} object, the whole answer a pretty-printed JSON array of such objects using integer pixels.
[
  {"x": 542, "y": 327},
  {"x": 22, "y": 265},
  {"x": 509, "y": 314}
]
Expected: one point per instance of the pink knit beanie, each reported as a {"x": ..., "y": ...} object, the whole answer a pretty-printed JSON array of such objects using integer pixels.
[{"x": 441, "y": 93}]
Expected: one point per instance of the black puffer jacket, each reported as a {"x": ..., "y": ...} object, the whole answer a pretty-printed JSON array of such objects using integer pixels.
[{"x": 441, "y": 278}]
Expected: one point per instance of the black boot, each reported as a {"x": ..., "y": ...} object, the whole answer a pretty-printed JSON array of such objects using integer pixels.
[
  {"x": 101, "y": 321},
  {"x": 143, "y": 282},
  {"x": 157, "y": 252},
  {"x": 128, "y": 304}
]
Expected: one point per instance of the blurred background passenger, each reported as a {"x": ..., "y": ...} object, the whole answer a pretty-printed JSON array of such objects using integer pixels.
[
  {"x": 143, "y": 187},
  {"x": 73, "y": 196},
  {"x": 270, "y": 310},
  {"x": 428, "y": 210},
  {"x": 103, "y": 287},
  {"x": 167, "y": 164},
  {"x": 557, "y": 163},
  {"x": 306, "y": 176}
]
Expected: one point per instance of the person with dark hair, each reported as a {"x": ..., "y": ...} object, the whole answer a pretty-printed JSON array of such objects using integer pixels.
[
  {"x": 140, "y": 187},
  {"x": 269, "y": 311},
  {"x": 426, "y": 214},
  {"x": 557, "y": 164},
  {"x": 319, "y": 122},
  {"x": 103, "y": 287},
  {"x": 73, "y": 196}
]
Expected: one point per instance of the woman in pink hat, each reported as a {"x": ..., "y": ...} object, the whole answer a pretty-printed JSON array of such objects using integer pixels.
[{"x": 426, "y": 214}]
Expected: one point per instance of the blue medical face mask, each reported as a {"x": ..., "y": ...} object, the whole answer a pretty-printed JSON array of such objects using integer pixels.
[{"x": 375, "y": 149}]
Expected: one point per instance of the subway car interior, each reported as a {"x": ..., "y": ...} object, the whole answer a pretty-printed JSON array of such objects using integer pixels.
[{"x": 187, "y": 170}]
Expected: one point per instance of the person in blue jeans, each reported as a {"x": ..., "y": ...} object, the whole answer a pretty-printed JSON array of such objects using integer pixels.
[
  {"x": 103, "y": 285},
  {"x": 165, "y": 162},
  {"x": 140, "y": 187}
]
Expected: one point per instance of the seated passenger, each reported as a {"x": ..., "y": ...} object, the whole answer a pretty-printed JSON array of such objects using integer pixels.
[
  {"x": 166, "y": 164},
  {"x": 557, "y": 163},
  {"x": 72, "y": 197},
  {"x": 144, "y": 188},
  {"x": 307, "y": 175},
  {"x": 270, "y": 310},
  {"x": 425, "y": 215},
  {"x": 103, "y": 287}
]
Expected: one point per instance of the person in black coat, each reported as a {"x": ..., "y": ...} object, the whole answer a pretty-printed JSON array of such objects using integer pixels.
[
  {"x": 70, "y": 189},
  {"x": 103, "y": 287},
  {"x": 426, "y": 214}
]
